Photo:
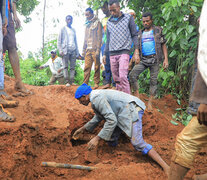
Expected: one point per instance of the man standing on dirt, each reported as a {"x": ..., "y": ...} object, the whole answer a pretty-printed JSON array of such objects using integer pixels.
[
  {"x": 56, "y": 67},
  {"x": 122, "y": 113},
  {"x": 68, "y": 49},
  {"x": 9, "y": 43},
  {"x": 152, "y": 46},
  {"x": 92, "y": 46},
  {"x": 108, "y": 73},
  {"x": 121, "y": 31},
  {"x": 194, "y": 136},
  {"x": 5, "y": 99}
]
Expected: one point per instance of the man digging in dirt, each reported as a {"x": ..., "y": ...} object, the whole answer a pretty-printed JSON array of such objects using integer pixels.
[
  {"x": 122, "y": 113},
  {"x": 194, "y": 136}
]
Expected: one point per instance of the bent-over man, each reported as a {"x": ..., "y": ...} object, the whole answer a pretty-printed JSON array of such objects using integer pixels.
[{"x": 122, "y": 113}]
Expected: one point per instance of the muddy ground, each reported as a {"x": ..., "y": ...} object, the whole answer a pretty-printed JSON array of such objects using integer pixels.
[{"x": 42, "y": 132}]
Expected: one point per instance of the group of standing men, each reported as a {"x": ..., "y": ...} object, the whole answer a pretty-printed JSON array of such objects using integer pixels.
[{"x": 114, "y": 36}]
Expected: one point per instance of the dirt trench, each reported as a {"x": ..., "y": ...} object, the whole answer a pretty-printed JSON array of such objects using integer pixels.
[{"x": 43, "y": 129}]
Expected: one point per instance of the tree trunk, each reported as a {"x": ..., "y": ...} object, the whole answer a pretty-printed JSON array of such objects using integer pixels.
[{"x": 43, "y": 32}]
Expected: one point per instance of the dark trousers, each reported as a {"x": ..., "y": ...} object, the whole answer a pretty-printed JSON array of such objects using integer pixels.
[
  {"x": 71, "y": 58},
  {"x": 108, "y": 73},
  {"x": 138, "y": 69}
]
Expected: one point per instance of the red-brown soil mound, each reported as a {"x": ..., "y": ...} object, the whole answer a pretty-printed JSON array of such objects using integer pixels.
[{"x": 42, "y": 132}]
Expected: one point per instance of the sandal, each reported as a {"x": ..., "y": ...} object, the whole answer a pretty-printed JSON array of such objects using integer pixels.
[
  {"x": 6, "y": 116},
  {"x": 6, "y": 96},
  {"x": 7, "y": 104}
]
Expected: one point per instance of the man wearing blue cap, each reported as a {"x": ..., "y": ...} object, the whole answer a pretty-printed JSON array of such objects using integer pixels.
[{"x": 122, "y": 113}]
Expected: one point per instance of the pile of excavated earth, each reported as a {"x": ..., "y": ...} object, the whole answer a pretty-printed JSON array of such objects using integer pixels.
[{"x": 44, "y": 126}]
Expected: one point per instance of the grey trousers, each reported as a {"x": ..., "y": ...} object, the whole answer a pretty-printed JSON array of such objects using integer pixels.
[
  {"x": 69, "y": 57},
  {"x": 138, "y": 69}
]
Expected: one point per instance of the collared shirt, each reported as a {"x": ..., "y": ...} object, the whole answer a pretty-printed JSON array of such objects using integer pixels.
[{"x": 54, "y": 65}]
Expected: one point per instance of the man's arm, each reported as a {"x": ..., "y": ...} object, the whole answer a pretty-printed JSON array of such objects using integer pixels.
[
  {"x": 76, "y": 44},
  {"x": 45, "y": 65},
  {"x": 59, "y": 42},
  {"x": 165, "y": 62},
  {"x": 85, "y": 43},
  {"x": 92, "y": 124},
  {"x": 99, "y": 39},
  {"x": 16, "y": 19},
  {"x": 104, "y": 108},
  {"x": 134, "y": 35},
  {"x": 106, "y": 49},
  {"x": 5, "y": 16}
]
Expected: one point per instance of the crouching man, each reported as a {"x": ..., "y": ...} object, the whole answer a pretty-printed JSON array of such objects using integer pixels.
[{"x": 122, "y": 113}]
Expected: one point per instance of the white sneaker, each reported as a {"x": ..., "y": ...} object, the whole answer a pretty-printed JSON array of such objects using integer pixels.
[{"x": 67, "y": 85}]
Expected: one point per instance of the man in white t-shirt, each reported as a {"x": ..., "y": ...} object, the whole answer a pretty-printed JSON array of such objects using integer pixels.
[
  {"x": 56, "y": 67},
  {"x": 68, "y": 49}
]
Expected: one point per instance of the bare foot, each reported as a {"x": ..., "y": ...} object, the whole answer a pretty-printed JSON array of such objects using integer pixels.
[
  {"x": 200, "y": 177},
  {"x": 22, "y": 89},
  {"x": 149, "y": 107}
]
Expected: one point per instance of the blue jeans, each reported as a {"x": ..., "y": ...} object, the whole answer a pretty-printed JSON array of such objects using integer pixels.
[
  {"x": 137, "y": 138},
  {"x": 1, "y": 72}
]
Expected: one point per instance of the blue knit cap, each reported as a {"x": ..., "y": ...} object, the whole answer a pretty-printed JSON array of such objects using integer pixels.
[{"x": 84, "y": 89}]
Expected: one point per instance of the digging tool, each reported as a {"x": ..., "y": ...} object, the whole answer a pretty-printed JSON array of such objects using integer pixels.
[{"x": 68, "y": 166}]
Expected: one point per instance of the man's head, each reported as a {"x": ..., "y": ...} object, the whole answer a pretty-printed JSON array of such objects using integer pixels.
[
  {"x": 89, "y": 14},
  {"x": 53, "y": 54},
  {"x": 114, "y": 8},
  {"x": 147, "y": 20},
  {"x": 105, "y": 9},
  {"x": 82, "y": 94},
  {"x": 132, "y": 13},
  {"x": 69, "y": 20}
]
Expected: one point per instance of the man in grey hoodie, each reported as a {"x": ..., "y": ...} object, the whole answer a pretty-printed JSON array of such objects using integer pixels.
[{"x": 68, "y": 49}]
